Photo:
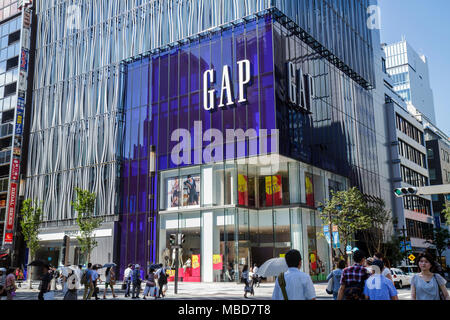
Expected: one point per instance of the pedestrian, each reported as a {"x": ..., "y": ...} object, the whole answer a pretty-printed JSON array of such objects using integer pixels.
[
  {"x": 72, "y": 286},
  {"x": 85, "y": 280},
  {"x": 353, "y": 279},
  {"x": 127, "y": 279},
  {"x": 110, "y": 281},
  {"x": 150, "y": 284},
  {"x": 245, "y": 278},
  {"x": 93, "y": 289},
  {"x": 55, "y": 275},
  {"x": 377, "y": 286},
  {"x": 256, "y": 278},
  {"x": 428, "y": 285},
  {"x": 46, "y": 279},
  {"x": 294, "y": 284},
  {"x": 162, "y": 281},
  {"x": 387, "y": 268},
  {"x": 10, "y": 284},
  {"x": 2, "y": 282},
  {"x": 20, "y": 278},
  {"x": 136, "y": 280},
  {"x": 336, "y": 275}
]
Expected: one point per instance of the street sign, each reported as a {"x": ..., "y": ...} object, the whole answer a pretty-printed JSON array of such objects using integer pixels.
[
  {"x": 348, "y": 249},
  {"x": 412, "y": 257}
]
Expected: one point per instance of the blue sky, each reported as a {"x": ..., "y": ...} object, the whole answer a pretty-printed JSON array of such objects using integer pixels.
[{"x": 426, "y": 26}]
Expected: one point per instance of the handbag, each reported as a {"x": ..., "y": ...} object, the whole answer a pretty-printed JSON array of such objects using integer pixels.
[
  {"x": 330, "y": 285},
  {"x": 441, "y": 294}
]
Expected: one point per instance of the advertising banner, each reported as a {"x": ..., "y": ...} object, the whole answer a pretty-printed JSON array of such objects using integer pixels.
[
  {"x": 274, "y": 194},
  {"x": 217, "y": 262},
  {"x": 8, "y": 238},
  {"x": 12, "y": 206},
  {"x": 15, "y": 169},
  {"x": 243, "y": 189},
  {"x": 173, "y": 193},
  {"x": 309, "y": 187},
  {"x": 191, "y": 190}
]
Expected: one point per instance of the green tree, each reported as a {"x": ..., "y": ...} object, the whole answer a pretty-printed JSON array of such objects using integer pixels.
[
  {"x": 86, "y": 221},
  {"x": 31, "y": 215},
  {"x": 375, "y": 234},
  {"x": 440, "y": 239},
  {"x": 348, "y": 211},
  {"x": 446, "y": 213}
]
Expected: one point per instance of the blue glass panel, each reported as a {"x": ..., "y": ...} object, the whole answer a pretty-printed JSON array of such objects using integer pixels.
[
  {"x": 216, "y": 64},
  {"x": 173, "y": 74},
  {"x": 134, "y": 135},
  {"x": 164, "y": 77},
  {"x": 155, "y": 79},
  {"x": 163, "y": 127},
  {"x": 143, "y": 179},
  {"x": 241, "y": 112},
  {"x": 227, "y": 59},
  {"x": 194, "y": 67},
  {"x": 145, "y": 83},
  {"x": 173, "y": 123},
  {"x": 136, "y": 87},
  {"x": 131, "y": 239},
  {"x": 133, "y": 186},
  {"x": 184, "y": 70}
]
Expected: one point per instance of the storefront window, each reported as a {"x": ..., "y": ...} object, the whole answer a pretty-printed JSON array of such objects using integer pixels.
[{"x": 282, "y": 228}]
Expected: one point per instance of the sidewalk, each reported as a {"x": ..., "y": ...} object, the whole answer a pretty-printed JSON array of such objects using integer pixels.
[{"x": 200, "y": 290}]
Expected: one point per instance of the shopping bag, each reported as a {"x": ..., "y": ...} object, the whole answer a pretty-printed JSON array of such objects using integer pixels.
[
  {"x": 330, "y": 286},
  {"x": 154, "y": 292},
  {"x": 49, "y": 295}
]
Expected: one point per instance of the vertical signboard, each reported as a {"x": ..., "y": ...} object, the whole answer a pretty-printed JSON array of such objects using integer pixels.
[{"x": 16, "y": 151}]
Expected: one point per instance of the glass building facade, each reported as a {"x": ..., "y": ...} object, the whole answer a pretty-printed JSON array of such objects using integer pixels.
[
  {"x": 241, "y": 212},
  {"x": 114, "y": 79}
]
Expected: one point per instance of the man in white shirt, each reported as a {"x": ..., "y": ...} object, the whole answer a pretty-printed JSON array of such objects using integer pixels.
[
  {"x": 127, "y": 279},
  {"x": 298, "y": 285}
]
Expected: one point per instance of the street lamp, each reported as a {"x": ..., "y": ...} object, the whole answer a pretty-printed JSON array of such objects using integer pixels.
[{"x": 152, "y": 171}]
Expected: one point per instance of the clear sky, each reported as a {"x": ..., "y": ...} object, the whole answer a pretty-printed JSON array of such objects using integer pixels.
[{"x": 426, "y": 26}]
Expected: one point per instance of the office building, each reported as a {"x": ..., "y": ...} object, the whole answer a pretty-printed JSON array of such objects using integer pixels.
[{"x": 114, "y": 90}]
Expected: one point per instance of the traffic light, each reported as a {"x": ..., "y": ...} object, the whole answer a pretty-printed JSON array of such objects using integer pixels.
[
  {"x": 401, "y": 192},
  {"x": 181, "y": 239},
  {"x": 172, "y": 239}
]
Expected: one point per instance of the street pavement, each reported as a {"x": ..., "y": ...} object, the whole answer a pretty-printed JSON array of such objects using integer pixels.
[{"x": 197, "y": 291}]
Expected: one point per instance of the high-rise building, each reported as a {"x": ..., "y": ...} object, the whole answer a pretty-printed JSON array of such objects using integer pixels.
[
  {"x": 410, "y": 74},
  {"x": 15, "y": 46},
  {"x": 115, "y": 91},
  {"x": 438, "y": 154},
  {"x": 402, "y": 152}
]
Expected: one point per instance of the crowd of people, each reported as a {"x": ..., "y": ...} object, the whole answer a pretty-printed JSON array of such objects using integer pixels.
[{"x": 366, "y": 279}]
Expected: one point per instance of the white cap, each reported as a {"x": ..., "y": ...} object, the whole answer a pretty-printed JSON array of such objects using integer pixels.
[{"x": 137, "y": 266}]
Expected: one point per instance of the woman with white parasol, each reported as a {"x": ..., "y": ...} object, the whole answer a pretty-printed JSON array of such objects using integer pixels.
[{"x": 72, "y": 274}]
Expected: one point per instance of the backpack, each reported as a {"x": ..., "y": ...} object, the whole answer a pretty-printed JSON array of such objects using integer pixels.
[
  {"x": 162, "y": 278},
  {"x": 84, "y": 278}
]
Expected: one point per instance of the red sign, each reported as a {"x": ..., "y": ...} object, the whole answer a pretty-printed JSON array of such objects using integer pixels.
[
  {"x": 15, "y": 169},
  {"x": 12, "y": 206},
  {"x": 8, "y": 238},
  {"x": 243, "y": 189},
  {"x": 217, "y": 262},
  {"x": 274, "y": 193}
]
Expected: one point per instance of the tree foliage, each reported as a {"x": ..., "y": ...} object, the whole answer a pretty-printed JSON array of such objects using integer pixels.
[
  {"x": 446, "y": 213},
  {"x": 348, "y": 211},
  {"x": 87, "y": 222},
  {"x": 440, "y": 239},
  {"x": 375, "y": 234},
  {"x": 31, "y": 214}
]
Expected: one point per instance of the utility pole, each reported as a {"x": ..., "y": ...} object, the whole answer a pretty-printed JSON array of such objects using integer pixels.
[{"x": 403, "y": 230}]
